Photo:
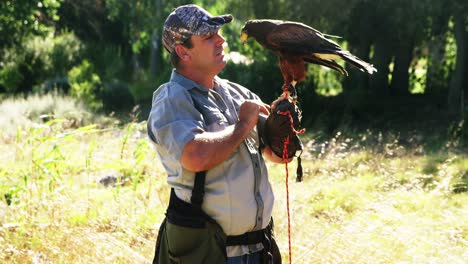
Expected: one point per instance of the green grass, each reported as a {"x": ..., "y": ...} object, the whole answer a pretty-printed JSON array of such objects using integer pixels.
[{"x": 365, "y": 198}]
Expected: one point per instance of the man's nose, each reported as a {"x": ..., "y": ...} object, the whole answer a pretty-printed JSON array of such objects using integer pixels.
[{"x": 219, "y": 39}]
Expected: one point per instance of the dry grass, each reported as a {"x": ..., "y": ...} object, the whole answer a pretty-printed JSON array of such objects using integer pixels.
[
  {"x": 363, "y": 206},
  {"x": 359, "y": 202}
]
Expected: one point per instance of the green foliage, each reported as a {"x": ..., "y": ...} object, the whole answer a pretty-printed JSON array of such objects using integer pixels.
[
  {"x": 108, "y": 61},
  {"x": 257, "y": 76},
  {"x": 116, "y": 97},
  {"x": 326, "y": 81},
  {"x": 142, "y": 89},
  {"x": 65, "y": 52},
  {"x": 137, "y": 19},
  {"x": 122, "y": 40},
  {"x": 20, "y": 18},
  {"x": 418, "y": 77},
  {"x": 38, "y": 60},
  {"x": 10, "y": 78},
  {"x": 86, "y": 85},
  {"x": 441, "y": 61},
  {"x": 458, "y": 133}
]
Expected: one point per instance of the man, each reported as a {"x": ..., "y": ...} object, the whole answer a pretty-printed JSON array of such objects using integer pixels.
[{"x": 205, "y": 133}]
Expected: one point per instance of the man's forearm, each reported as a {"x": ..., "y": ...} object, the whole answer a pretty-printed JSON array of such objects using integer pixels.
[{"x": 209, "y": 149}]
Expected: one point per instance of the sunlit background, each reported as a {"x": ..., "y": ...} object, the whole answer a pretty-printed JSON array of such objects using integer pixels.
[{"x": 385, "y": 159}]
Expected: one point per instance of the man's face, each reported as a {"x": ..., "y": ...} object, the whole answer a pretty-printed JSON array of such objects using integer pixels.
[{"x": 207, "y": 53}]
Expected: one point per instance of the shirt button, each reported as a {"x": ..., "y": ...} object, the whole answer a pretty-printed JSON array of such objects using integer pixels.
[{"x": 259, "y": 219}]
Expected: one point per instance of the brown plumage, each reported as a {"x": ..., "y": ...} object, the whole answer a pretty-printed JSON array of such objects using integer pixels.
[{"x": 295, "y": 44}]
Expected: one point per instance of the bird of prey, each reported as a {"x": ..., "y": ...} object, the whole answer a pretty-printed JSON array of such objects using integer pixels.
[{"x": 295, "y": 44}]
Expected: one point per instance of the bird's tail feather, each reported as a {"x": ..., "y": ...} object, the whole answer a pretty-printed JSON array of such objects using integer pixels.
[
  {"x": 356, "y": 62},
  {"x": 327, "y": 63}
]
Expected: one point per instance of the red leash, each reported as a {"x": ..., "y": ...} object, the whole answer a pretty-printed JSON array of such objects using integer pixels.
[{"x": 285, "y": 159}]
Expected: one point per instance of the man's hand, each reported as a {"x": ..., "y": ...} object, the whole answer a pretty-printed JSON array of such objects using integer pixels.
[
  {"x": 249, "y": 111},
  {"x": 271, "y": 156}
]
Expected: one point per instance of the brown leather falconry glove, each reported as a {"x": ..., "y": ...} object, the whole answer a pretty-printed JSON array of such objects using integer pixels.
[{"x": 282, "y": 128}]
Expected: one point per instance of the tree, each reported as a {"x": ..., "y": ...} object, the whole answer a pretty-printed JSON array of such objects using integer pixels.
[
  {"x": 360, "y": 36},
  {"x": 437, "y": 64},
  {"x": 459, "y": 80},
  {"x": 21, "y": 18},
  {"x": 408, "y": 34}
]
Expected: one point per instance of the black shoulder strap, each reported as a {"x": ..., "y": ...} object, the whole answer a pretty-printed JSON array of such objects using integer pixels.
[{"x": 198, "y": 191}]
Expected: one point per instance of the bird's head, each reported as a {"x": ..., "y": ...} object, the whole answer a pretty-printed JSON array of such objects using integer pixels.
[
  {"x": 244, "y": 35},
  {"x": 258, "y": 29}
]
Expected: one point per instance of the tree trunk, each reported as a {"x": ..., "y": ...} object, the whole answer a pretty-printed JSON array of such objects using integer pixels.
[
  {"x": 156, "y": 55},
  {"x": 381, "y": 60},
  {"x": 360, "y": 36},
  {"x": 156, "y": 64},
  {"x": 455, "y": 100},
  {"x": 357, "y": 80},
  {"x": 435, "y": 81},
  {"x": 400, "y": 74}
]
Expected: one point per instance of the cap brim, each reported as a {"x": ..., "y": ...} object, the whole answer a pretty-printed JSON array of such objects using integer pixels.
[
  {"x": 220, "y": 20},
  {"x": 212, "y": 24}
]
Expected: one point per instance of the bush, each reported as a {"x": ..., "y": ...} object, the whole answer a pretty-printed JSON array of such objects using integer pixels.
[
  {"x": 65, "y": 53},
  {"x": 20, "y": 114},
  {"x": 117, "y": 97},
  {"x": 10, "y": 78},
  {"x": 86, "y": 85},
  {"x": 108, "y": 61},
  {"x": 37, "y": 60}
]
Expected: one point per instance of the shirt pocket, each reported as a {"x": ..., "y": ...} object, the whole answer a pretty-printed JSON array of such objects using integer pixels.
[{"x": 215, "y": 121}]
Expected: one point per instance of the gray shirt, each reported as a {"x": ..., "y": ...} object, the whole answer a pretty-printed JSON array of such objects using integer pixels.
[{"x": 238, "y": 194}]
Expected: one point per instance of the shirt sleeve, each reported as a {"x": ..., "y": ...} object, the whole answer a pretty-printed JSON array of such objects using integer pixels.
[{"x": 174, "y": 120}]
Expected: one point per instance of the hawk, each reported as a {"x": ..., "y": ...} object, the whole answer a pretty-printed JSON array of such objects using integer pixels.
[{"x": 296, "y": 44}]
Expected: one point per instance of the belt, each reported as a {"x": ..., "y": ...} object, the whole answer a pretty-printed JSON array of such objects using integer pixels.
[{"x": 253, "y": 237}]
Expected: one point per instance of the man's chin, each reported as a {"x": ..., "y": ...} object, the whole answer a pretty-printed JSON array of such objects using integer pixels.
[
  {"x": 222, "y": 58},
  {"x": 222, "y": 63}
]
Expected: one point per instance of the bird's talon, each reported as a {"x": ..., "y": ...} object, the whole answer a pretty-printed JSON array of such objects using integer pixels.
[{"x": 292, "y": 91}]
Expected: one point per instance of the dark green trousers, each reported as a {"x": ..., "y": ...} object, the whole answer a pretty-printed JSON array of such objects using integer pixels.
[{"x": 181, "y": 244}]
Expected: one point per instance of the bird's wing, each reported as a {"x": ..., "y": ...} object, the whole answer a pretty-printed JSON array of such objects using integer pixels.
[{"x": 300, "y": 38}]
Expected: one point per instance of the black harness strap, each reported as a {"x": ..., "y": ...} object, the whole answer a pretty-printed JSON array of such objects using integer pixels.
[
  {"x": 198, "y": 191},
  {"x": 249, "y": 238}
]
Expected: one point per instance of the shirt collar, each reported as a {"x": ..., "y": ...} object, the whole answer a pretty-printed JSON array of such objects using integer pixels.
[{"x": 189, "y": 84}]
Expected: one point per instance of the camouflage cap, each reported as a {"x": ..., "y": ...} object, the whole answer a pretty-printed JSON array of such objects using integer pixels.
[{"x": 188, "y": 20}]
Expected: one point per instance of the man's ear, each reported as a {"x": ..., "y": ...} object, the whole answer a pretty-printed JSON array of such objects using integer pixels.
[{"x": 181, "y": 51}]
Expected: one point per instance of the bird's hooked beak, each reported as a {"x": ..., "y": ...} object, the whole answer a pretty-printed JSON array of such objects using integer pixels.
[{"x": 244, "y": 36}]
